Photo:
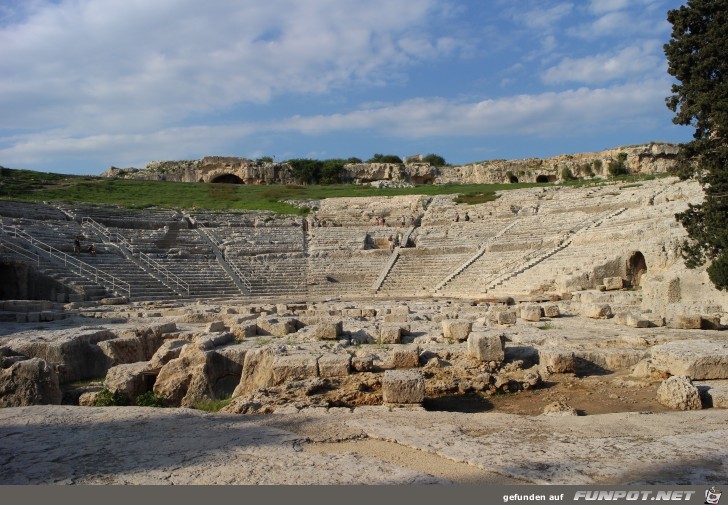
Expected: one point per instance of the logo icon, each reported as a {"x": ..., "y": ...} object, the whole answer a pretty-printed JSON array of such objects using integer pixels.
[{"x": 712, "y": 496}]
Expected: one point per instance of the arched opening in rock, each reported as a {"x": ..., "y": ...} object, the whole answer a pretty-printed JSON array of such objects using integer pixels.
[
  {"x": 542, "y": 179},
  {"x": 227, "y": 179},
  {"x": 513, "y": 179},
  {"x": 636, "y": 268}
]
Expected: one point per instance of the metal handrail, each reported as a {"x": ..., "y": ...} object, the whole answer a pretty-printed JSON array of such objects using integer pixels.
[
  {"x": 19, "y": 250},
  {"x": 89, "y": 272},
  {"x": 232, "y": 266},
  {"x": 143, "y": 257}
]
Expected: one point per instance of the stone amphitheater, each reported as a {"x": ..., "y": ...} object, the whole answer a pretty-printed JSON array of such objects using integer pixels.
[{"x": 550, "y": 336}]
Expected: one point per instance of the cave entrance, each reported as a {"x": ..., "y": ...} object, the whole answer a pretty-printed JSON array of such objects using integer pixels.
[
  {"x": 636, "y": 268},
  {"x": 227, "y": 179},
  {"x": 513, "y": 179},
  {"x": 542, "y": 178}
]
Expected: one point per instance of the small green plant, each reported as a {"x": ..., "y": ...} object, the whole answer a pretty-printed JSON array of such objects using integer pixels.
[
  {"x": 212, "y": 405},
  {"x": 618, "y": 166},
  {"x": 150, "y": 399},
  {"x": 546, "y": 326},
  {"x": 264, "y": 341},
  {"x": 106, "y": 398},
  {"x": 566, "y": 174}
]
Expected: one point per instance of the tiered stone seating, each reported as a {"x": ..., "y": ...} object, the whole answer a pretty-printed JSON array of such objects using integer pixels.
[
  {"x": 281, "y": 274},
  {"x": 418, "y": 270},
  {"x": 112, "y": 216},
  {"x": 38, "y": 211},
  {"x": 345, "y": 272}
]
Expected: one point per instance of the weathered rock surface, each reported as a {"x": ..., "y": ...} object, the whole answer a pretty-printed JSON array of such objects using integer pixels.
[
  {"x": 456, "y": 330},
  {"x": 29, "y": 382},
  {"x": 559, "y": 409},
  {"x": 486, "y": 346},
  {"x": 678, "y": 392},
  {"x": 714, "y": 393},
  {"x": 127, "y": 379},
  {"x": 403, "y": 386},
  {"x": 697, "y": 358}
]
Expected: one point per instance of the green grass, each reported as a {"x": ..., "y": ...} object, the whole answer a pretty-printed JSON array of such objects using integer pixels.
[
  {"x": 38, "y": 186},
  {"x": 212, "y": 405}
]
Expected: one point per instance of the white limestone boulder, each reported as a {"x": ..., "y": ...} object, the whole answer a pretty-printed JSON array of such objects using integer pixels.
[
  {"x": 678, "y": 392},
  {"x": 456, "y": 330},
  {"x": 486, "y": 346},
  {"x": 403, "y": 387},
  {"x": 596, "y": 310},
  {"x": 29, "y": 382},
  {"x": 294, "y": 367},
  {"x": 557, "y": 360},
  {"x": 334, "y": 365},
  {"x": 698, "y": 358},
  {"x": 127, "y": 379},
  {"x": 531, "y": 312}
]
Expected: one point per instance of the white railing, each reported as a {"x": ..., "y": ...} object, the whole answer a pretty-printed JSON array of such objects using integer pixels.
[
  {"x": 87, "y": 271},
  {"x": 156, "y": 268},
  {"x": 20, "y": 251},
  {"x": 243, "y": 279}
]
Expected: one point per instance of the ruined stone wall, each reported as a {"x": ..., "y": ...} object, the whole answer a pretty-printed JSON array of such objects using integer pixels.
[{"x": 651, "y": 158}]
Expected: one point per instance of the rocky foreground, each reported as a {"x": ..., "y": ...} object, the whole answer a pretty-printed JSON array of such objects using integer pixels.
[{"x": 369, "y": 445}]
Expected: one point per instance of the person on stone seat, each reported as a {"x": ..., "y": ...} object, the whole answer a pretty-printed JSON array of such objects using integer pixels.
[
  {"x": 76, "y": 247},
  {"x": 92, "y": 250}
]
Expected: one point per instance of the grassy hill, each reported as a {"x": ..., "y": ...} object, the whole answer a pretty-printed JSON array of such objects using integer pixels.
[{"x": 40, "y": 186}]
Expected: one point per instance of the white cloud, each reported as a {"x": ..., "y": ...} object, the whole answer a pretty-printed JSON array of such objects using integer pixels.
[
  {"x": 640, "y": 60},
  {"x": 99, "y": 65},
  {"x": 602, "y": 6},
  {"x": 545, "y": 115},
  {"x": 545, "y": 17}
]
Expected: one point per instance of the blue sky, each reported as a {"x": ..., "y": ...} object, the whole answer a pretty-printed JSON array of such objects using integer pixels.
[{"x": 87, "y": 84}]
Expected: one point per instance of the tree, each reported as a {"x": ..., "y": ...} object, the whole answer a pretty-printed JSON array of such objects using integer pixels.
[
  {"x": 696, "y": 56},
  {"x": 384, "y": 158},
  {"x": 434, "y": 160}
]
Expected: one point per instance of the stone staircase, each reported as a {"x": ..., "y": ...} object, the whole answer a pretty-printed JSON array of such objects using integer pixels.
[{"x": 416, "y": 271}]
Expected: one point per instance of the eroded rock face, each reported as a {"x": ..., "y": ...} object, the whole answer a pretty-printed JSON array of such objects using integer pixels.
[
  {"x": 456, "y": 330},
  {"x": 403, "y": 386},
  {"x": 486, "y": 346},
  {"x": 127, "y": 379},
  {"x": 678, "y": 392},
  {"x": 698, "y": 358},
  {"x": 29, "y": 382}
]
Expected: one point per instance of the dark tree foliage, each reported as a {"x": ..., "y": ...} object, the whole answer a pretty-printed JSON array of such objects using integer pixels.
[
  {"x": 320, "y": 172},
  {"x": 384, "y": 158},
  {"x": 434, "y": 160},
  {"x": 697, "y": 57}
]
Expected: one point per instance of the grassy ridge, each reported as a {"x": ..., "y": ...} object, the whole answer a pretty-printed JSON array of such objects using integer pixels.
[{"x": 39, "y": 186}]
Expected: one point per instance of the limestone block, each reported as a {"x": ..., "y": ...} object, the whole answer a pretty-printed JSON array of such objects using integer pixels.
[
  {"x": 678, "y": 392},
  {"x": 697, "y": 358},
  {"x": 215, "y": 327},
  {"x": 390, "y": 334},
  {"x": 557, "y": 360},
  {"x": 356, "y": 313},
  {"x": 531, "y": 313},
  {"x": 119, "y": 300},
  {"x": 334, "y": 365},
  {"x": 294, "y": 367},
  {"x": 407, "y": 357},
  {"x": 486, "y": 346},
  {"x": 403, "y": 387},
  {"x": 559, "y": 409},
  {"x": 456, "y": 330},
  {"x": 506, "y": 317},
  {"x": 327, "y": 330},
  {"x": 596, "y": 310},
  {"x": 551, "y": 310},
  {"x": 239, "y": 320},
  {"x": 243, "y": 331},
  {"x": 88, "y": 399},
  {"x": 168, "y": 351},
  {"x": 122, "y": 350},
  {"x": 714, "y": 393},
  {"x": 277, "y": 326},
  {"x": 613, "y": 283},
  {"x": 368, "y": 312},
  {"x": 686, "y": 323},
  {"x": 127, "y": 379},
  {"x": 362, "y": 363},
  {"x": 630, "y": 319},
  {"x": 257, "y": 371},
  {"x": 396, "y": 318},
  {"x": 29, "y": 382}
]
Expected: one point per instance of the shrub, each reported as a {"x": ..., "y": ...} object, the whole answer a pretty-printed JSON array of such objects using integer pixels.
[
  {"x": 106, "y": 398},
  {"x": 434, "y": 160},
  {"x": 150, "y": 399},
  {"x": 212, "y": 405},
  {"x": 618, "y": 166},
  {"x": 566, "y": 174},
  {"x": 384, "y": 158}
]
